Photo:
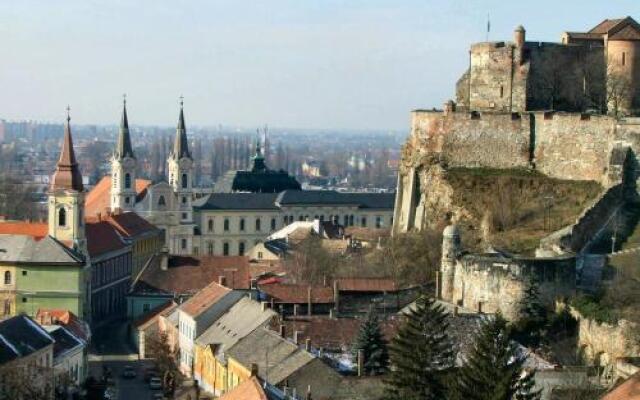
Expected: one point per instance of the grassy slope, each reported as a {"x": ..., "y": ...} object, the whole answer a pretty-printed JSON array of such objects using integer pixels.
[{"x": 515, "y": 203}]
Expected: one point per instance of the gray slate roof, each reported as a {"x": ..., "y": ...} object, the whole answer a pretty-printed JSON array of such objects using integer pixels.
[
  {"x": 273, "y": 201},
  {"x": 23, "y": 248},
  {"x": 260, "y": 180},
  {"x": 20, "y": 336},
  {"x": 239, "y": 201},
  {"x": 285, "y": 358},
  {"x": 242, "y": 318},
  {"x": 325, "y": 197}
]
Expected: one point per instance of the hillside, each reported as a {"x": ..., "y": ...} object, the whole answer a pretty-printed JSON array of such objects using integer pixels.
[{"x": 512, "y": 209}]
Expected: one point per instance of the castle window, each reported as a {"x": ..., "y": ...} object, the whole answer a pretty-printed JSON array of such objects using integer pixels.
[
  {"x": 127, "y": 181},
  {"x": 62, "y": 217},
  {"x": 241, "y": 249},
  {"x": 501, "y": 91},
  {"x": 210, "y": 248},
  {"x": 161, "y": 201},
  {"x": 273, "y": 224},
  {"x": 225, "y": 249},
  {"x": 226, "y": 224},
  {"x": 210, "y": 225},
  {"x": 258, "y": 224},
  {"x": 624, "y": 58},
  {"x": 183, "y": 244},
  {"x": 363, "y": 222},
  {"x": 7, "y": 277},
  {"x": 378, "y": 222},
  {"x": 241, "y": 224},
  {"x": 185, "y": 181}
]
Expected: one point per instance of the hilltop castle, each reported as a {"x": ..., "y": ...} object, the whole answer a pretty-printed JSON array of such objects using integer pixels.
[{"x": 560, "y": 111}]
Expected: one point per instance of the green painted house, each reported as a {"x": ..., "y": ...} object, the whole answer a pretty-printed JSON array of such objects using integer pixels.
[{"x": 43, "y": 273}]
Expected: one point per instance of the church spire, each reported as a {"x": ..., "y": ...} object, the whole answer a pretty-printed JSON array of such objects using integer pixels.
[
  {"x": 67, "y": 175},
  {"x": 180, "y": 144},
  {"x": 258, "y": 159},
  {"x": 124, "y": 148}
]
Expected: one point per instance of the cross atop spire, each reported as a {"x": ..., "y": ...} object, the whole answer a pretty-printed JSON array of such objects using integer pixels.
[
  {"x": 67, "y": 175},
  {"x": 123, "y": 147}
]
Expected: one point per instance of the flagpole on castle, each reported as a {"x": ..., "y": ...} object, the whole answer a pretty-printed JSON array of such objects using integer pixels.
[{"x": 488, "y": 26}]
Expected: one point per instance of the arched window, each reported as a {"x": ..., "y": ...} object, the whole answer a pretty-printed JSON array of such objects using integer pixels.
[
  {"x": 241, "y": 248},
  {"x": 127, "y": 181},
  {"x": 258, "y": 224},
  {"x": 161, "y": 201},
  {"x": 62, "y": 217},
  {"x": 210, "y": 225},
  {"x": 185, "y": 181},
  {"x": 7, "y": 277}
]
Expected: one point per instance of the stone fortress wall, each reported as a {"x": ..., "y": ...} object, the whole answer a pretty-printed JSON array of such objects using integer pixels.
[{"x": 501, "y": 120}]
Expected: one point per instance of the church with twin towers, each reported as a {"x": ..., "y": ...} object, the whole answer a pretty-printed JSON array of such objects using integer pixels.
[{"x": 241, "y": 210}]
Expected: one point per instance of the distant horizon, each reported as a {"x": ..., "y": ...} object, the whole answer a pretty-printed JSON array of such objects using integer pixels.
[{"x": 317, "y": 65}]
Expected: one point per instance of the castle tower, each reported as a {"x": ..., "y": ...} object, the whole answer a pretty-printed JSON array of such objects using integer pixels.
[
  {"x": 180, "y": 166},
  {"x": 519, "y": 36},
  {"x": 451, "y": 249},
  {"x": 123, "y": 168},
  {"x": 66, "y": 196}
]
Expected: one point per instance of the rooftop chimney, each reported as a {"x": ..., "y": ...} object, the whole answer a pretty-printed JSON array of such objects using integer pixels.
[
  {"x": 222, "y": 280},
  {"x": 164, "y": 259}
]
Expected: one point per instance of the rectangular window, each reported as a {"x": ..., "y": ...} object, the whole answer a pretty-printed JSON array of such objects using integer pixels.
[
  {"x": 624, "y": 58},
  {"x": 146, "y": 307},
  {"x": 226, "y": 224},
  {"x": 363, "y": 222},
  {"x": 378, "y": 222},
  {"x": 273, "y": 224},
  {"x": 183, "y": 244},
  {"x": 24, "y": 273},
  {"x": 241, "y": 224},
  {"x": 225, "y": 249}
]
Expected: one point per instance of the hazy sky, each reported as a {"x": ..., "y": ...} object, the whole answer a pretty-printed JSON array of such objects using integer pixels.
[{"x": 297, "y": 63}]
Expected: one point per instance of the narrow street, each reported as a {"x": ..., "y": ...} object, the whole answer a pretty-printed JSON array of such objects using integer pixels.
[{"x": 110, "y": 349}]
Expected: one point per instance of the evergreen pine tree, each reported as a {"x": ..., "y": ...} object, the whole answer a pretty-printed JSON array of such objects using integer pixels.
[
  {"x": 529, "y": 329},
  {"x": 494, "y": 370},
  {"x": 373, "y": 346},
  {"x": 421, "y": 354}
]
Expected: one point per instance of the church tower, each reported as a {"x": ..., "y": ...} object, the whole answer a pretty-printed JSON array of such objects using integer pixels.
[
  {"x": 180, "y": 166},
  {"x": 123, "y": 169},
  {"x": 66, "y": 196}
]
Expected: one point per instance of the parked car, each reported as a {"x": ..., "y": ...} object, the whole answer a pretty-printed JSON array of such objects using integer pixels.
[
  {"x": 129, "y": 372},
  {"x": 155, "y": 383},
  {"x": 150, "y": 372}
]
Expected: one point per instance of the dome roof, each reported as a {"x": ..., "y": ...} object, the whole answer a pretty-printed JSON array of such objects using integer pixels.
[{"x": 519, "y": 28}]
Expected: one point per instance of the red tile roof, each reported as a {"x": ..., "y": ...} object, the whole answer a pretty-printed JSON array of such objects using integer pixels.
[
  {"x": 297, "y": 294},
  {"x": 628, "y": 390},
  {"x": 102, "y": 237},
  {"x": 366, "y": 285},
  {"x": 34, "y": 229},
  {"x": 98, "y": 200},
  {"x": 187, "y": 275},
  {"x": 202, "y": 300},
  {"x": 131, "y": 224},
  {"x": 247, "y": 390},
  {"x": 57, "y": 316}
]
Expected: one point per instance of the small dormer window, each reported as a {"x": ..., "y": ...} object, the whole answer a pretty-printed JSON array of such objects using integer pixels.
[{"x": 62, "y": 217}]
